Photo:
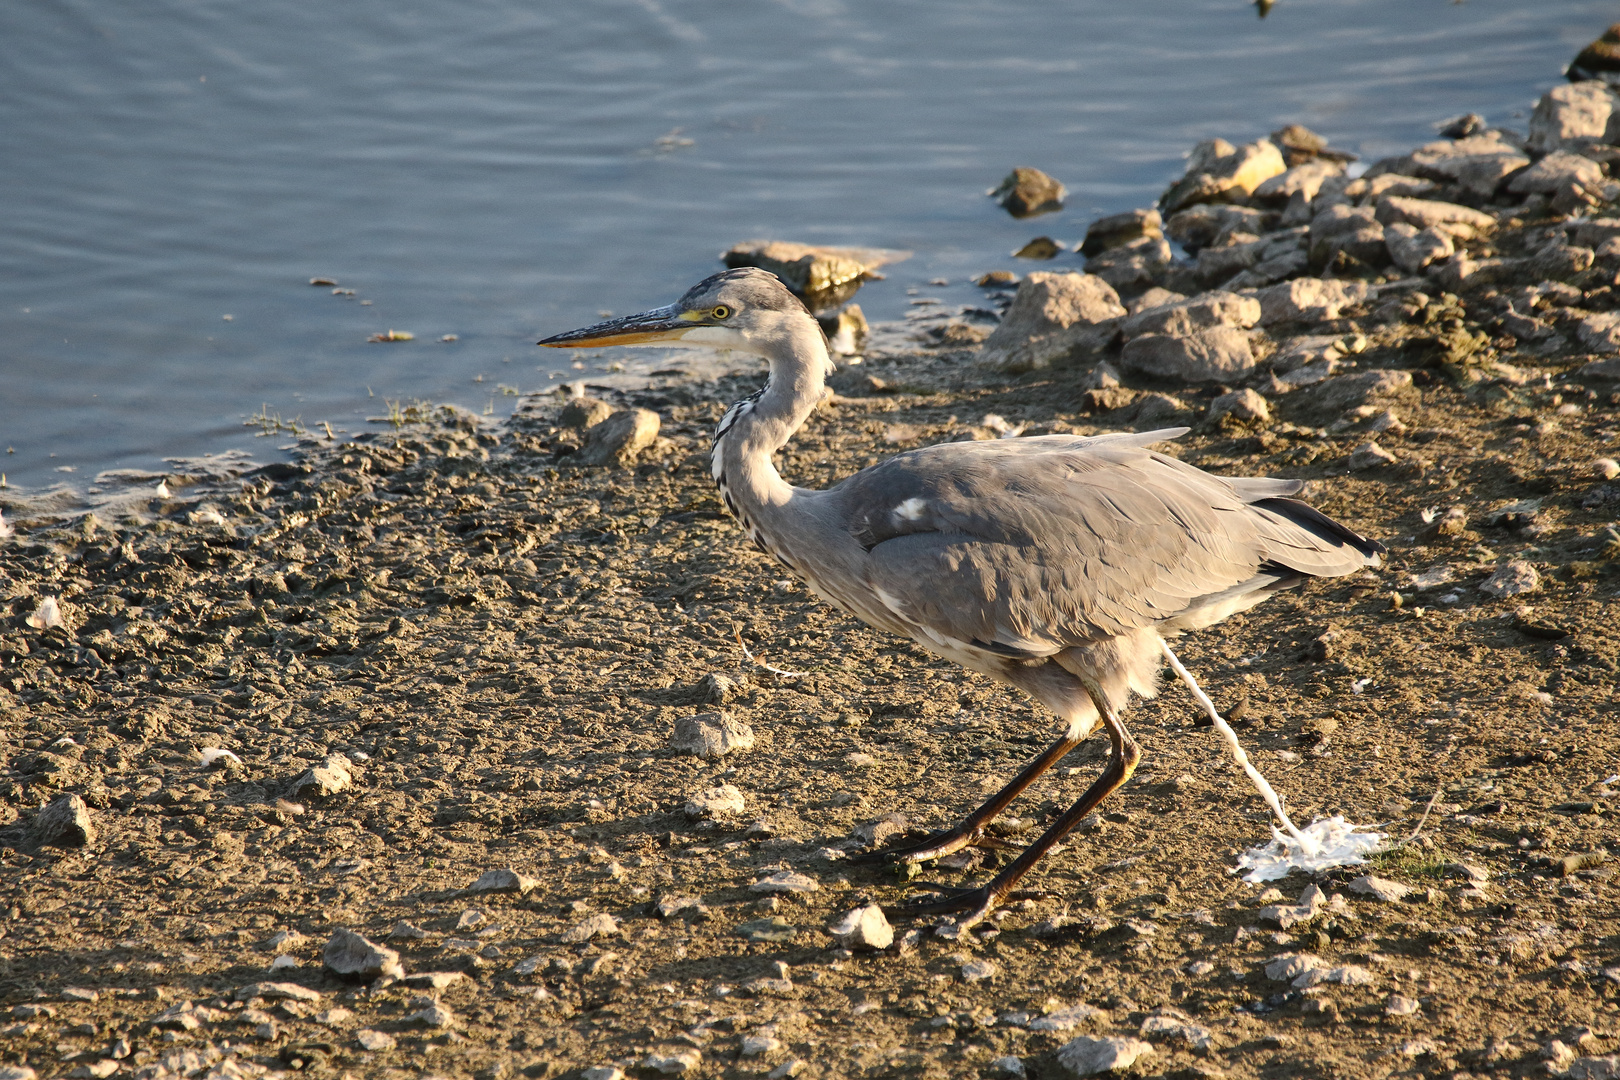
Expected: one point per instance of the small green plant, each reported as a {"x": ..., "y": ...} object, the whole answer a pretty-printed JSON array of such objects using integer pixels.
[{"x": 270, "y": 423}]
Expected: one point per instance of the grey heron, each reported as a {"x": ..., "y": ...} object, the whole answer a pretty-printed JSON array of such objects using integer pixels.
[{"x": 1055, "y": 564}]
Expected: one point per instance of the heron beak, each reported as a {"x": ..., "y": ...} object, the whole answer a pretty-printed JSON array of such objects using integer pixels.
[{"x": 648, "y": 328}]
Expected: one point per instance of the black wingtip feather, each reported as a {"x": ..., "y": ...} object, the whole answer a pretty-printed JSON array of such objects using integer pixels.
[{"x": 1309, "y": 517}]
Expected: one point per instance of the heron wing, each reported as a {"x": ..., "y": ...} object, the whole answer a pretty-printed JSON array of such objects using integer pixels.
[{"x": 1030, "y": 546}]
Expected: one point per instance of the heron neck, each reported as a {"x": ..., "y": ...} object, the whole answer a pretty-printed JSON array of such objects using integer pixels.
[{"x": 764, "y": 424}]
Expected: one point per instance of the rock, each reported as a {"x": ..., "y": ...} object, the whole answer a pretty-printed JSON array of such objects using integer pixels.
[
  {"x": 1209, "y": 354},
  {"x": 1290, "y": 966},
  {"x": 1086, "y": 1056},
  {"x": 584, "y": 413},
  {"x": 1599, "y": 60},
  {"x": 503, "y": 880},
  {"x": 1571, "y": 115},
  {"x": 329, "y": 778},
  {"x": 875, "y": 833},
  {"x": 1154, "y": 297},
  {"x": 711, "y": 735},
  {"x": 1397, "y": 1005},
  {"x": 1200, "y": 226},
  {"x": 1051, "y": 315},
  {"x": 1599, "y": 331},
  {"x": 96, "y": 1071},
  {"x": 1369, "y": 191},
  {"x": 676, "y": 1063},
  {"x": 1066, "y": 1019},
  {"x": 788, "y": 1069},
  {"x": 1350, "y": 391},
  {"x": 715, "y": 802},
  {"x": 864, "y": 928},
  {"x": 618, "y": 440},
  {"x": 823, "y": 277},
  {"x": 1299, "y": 145},
  {"x": 1008, "y": 1065},
  {"x": 1594, "y": 1068},
  {"x": 435, "y": 1015},
  {"x": 1426, "y": 213},
  {"x": 1378, "y": 888},
  {"x": 1309, "y": 300},
  {"x": 785, "y": 881},
  {"x": 1601, "y": 369},
  {"x": 1042, "y": 247},
  {"x": 1134, "y": 265},
  {"x": 1241, "y": 406},
  {"x": 64, "y": 822},
  {"x": 978, "y": 971},
  {"x": 1347, "y": 975},
  {"x": 1217, "y": 171},
  {"x": 597, "y": 926},
  {"x": 407, "y": 931},
  {"x": 291, "y": 991},
  {"x": 1514, "y": 578},
  {"x": 1312, "y": 902},
  {"x": 603, "y": 1072},
  {"x": 673, "y": 905},
  {"x": 1197, "y": 1037},
  {"x": 1478, "y": 164},
  {"x": 16, "y": 1072},
  {"x": 1310, "y": 349},
  {"x": 1182, "y": 317},
  {"x": 1369, "y": 455},
  {"x": 1117, "y": 230},
  {"x": 756, "y": 1045},
  {"x": 775, "y": 930},
  {"x": 1413, "y": 250},
  {"x": 353, "y": 956},
  {"x": 1339, "y": 220},
  {"x": 1555, "y": 171},
  {"x": 1304, "y": 179},
  {"x": 1027, "y": 192},
  {"x": 374, "y": 1040}
]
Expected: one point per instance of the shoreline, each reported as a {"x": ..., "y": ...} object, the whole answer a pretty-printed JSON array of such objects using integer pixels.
[{"x": 445, "y": 650}]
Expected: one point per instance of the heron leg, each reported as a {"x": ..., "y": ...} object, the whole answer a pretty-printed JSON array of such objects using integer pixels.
[
  {"x": 977, "y": 904},
  {"x": 971, "y": 829}
]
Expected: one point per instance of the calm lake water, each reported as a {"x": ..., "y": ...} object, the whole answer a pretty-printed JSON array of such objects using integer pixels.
[{"x": 174, "y": 172}]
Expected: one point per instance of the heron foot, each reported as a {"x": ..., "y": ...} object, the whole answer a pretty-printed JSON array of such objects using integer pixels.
[{"x": 971, "y": 906}]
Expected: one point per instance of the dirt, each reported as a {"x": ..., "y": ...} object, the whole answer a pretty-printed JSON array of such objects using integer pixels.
[{"x": 499, "y": 646}]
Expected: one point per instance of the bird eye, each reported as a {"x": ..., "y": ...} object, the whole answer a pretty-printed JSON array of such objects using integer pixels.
[{"x": 720, "y": 311}]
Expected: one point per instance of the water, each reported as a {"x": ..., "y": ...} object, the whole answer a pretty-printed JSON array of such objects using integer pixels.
[{"x": 501, "y": 170}]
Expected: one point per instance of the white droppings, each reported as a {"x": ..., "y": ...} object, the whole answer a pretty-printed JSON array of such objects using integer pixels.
[
  {"x": 47, "y": 615},
  {"x": 910, "y": 510},
  {"x": 210, "y": 754}
]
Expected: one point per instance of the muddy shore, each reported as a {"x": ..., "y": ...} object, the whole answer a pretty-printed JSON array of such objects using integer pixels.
[{"x": 445, "y": 649}]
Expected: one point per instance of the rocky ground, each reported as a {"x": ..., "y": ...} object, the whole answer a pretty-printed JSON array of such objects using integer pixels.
[{"x": 386, "y": 763}]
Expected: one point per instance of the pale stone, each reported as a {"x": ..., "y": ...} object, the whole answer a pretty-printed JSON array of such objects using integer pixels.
[
  {"x": 1578, "y": 111},
  {"x": 1137, "y": 264},
  {"x": 1347, "y": 975},
  {"x": 1051, "y": 315},
  {"x": 711, "y": 735},
  {"x": 1380, "y": 888},
  {"x": 978, "y": 971},
  {"x": 715, "y": 802},
  {"x": 1197, "y": 1037},
  {"x": 329, "y": 778},
  {"x": 1556, "y": 171},
  {"x": 675, "y": 1063},
  {"x": 1424, "y": 213},
  {"x": 1244, "y": 406},
  {"x": 1304, "y": 179},
  {"x": 1513, "y": 579},
  {"x": 823, "y": 277},
  {"x": 356, "y": 956},
  {"x": 65, "y": 822},
  {"x": 1594, "y": 1068},
  {"x": 1181, "y": 317},
  {"x": 1399, "y": 1005},
  {"x": 1291, "y": 966},
  {"x": 277, "y": 990},
  {"x": 503, "y": 880},
  {"x": 1066, "y": 1019},
  {"x": 1086, "y": 1056},
  {"x": 1369, "y": 455},
  {"x": 597, "y": 926},
  {"x": 785, "y": 881},
  {"x": 1026, "y": 192},
  {"x": 1478, "y": 163},
  {"x": 1309, "y": 300},
  {"x": 619, "y": 439},
  {"x": 1413, "y": 250},
  {"x": 1600, "y": 331},
  {"x": 1312, "y": 902},
  {"x": 1209, "y": 354},
  {"x": 864, "y": 928}
]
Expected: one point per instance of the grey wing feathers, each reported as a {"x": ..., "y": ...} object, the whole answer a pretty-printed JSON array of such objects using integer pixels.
[{"x": 1030, "y": 546}]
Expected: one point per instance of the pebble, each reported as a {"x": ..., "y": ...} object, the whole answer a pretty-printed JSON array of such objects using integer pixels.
[
  {"x": 95, "y": 1071},
  {"x": 1178, "y": 1027},
  {"x": 1087, "y": 1056},
  {"x": 789, "y": 1068},
  {"x": 1308, "y": 300},
  {"x": 619, "y": 440},
  {"x": 1514, "y": 578},
  {"x": 1209, "y": 354},
  {"x": 1580, "y": 110},
  {"x": 79, "y": 993},
  {"x": 506, "y": 880},
  {"x": 1217, "y": 171},
  {"x": 603, "y": 1072},
  {"x": 1008, "y": 1065},
  {"x": 436, "y": 980},
  {"x": 1398, "y": 1005},
  {"x": 681, "y": 1061},
  {"x": 374, "y": 1040},
  {"x": 823, "y": 277},
  {"x": 1380, "y": 888},
  {"x": 711, "y": 735},
  {"x": 64, "y": 822},
  {"x": 1244, "y": 406},
  {"x": 1312, "y": 902},
  {"x": 1051, "y": 315},
  {"x": 352, "y": 955},
  {"x": 756, "y": 1045},
  {"x": 876, "y": 833},
  {"x": 715, "y": 802},
  {"x": 407, "y": 931},
  {"x": 16, "y": 1072},
  {"x": 785, "y": 881},
  {"x": 329, "y": 778},
  {"x": 584, "y": 413},
  {"x": 1117, "y": 230},
  {"x": 1185, "y": 315},
  {"x": 978, "y": 971},
  {"x": 863, "y": 928},
  {"x": 434, "y": 1015},
  {"x": 469, "y": 919},
  {"x": 1430, "y": 213},
  {"x": 1027, "y": 192},
  {"x": 775, "y": 929},
  {"x": 597, "y": 926},
  {"x": 1369, "y": 455},
  {"x": 1066, "y": 1019}
]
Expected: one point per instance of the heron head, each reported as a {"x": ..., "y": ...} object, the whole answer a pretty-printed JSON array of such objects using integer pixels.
[{"x": 746, "y": 309}]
